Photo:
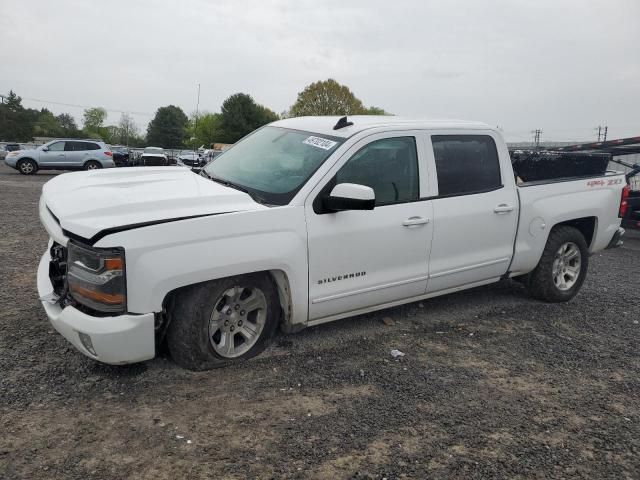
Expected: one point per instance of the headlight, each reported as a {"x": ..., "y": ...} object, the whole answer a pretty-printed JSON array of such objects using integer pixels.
[
  {"x": 96, "y": 277},
  {"x": 12, "y": 154}
]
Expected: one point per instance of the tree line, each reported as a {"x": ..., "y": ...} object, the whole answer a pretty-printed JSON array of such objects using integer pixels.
[{"x": 170, "y": 126}]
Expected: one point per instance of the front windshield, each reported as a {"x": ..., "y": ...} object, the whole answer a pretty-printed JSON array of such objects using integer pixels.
[{"x": 273, "y": 163}]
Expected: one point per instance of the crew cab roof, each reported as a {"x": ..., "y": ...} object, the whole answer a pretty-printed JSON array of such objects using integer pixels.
[{"x": 324, "y": 125}]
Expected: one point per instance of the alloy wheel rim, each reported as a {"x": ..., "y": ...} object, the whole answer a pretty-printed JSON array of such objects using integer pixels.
[
  {"x": 92, "y": 166},
  {"x": 566, "y": 266},
  {"x": 237, "y": 321},
  {"x": 26, "y": 167}
]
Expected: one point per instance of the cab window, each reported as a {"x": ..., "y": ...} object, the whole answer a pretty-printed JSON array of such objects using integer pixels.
[{"x": 389, "y": 166}]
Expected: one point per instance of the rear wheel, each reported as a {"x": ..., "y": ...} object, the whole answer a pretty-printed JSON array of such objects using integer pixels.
[
  {"x": 562, "y": 267},
  {"x": 27, "y": 166},
  {"x": 92, "y": 165},
  {"x": 223, "y": 321}
]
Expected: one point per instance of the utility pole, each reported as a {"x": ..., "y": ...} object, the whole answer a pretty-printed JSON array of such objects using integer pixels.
[
  {"x": 536, "y": 137},
  {"x": 602, "y": 130},
  {"x": 195, "y": 127}
]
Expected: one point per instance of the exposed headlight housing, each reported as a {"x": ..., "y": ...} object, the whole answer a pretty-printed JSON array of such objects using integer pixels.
[{"x": 96, "y": 277}]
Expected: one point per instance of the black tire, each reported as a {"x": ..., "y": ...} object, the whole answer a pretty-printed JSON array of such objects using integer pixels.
[
  {"x": 92, "y": 165},
  {"x": 27, "y": 166},
  {"x": 188, "y": 334},
  {"x": 541, "y": 281}
]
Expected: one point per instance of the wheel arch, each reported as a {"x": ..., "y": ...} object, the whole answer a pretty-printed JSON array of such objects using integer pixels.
[
  {"x": 22, "y": 159},
  {"x": 586, "y": 225},
  {"x": 280, "y": 280},
  {"x": 91, "y": 160}
]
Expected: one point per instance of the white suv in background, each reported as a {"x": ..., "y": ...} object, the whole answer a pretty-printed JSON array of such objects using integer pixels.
[{"x": 62, "y": 155}]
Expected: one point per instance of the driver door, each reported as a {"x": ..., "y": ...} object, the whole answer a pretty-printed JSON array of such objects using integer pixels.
[
  {"x": 54, "y": 156},
  {"x": 365, "y": 258}
]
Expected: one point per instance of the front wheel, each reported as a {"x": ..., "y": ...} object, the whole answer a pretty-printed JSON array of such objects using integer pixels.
[
  {"x": 562, "y": 267},
  {"x": 27, "y": 167},
  {"x": 223, "y": 321}
]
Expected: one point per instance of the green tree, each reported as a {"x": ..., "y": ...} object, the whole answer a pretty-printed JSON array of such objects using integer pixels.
[
  {"x": 204, "y": 129},
  {"x": 241, "y": 115},
  {"x": 93, "y": 124},
  {"x": 376, "y": 111},
  {"x": 13, "y": 102},
  {"x": 168, "y": 128},
  {"x": 327, "y": 98},
  {"x": 68, "y": 125},
  {"x": 46, "y": 125},
  {"x": 94, "y": 118},
  {"x": 16, "y": 122}
]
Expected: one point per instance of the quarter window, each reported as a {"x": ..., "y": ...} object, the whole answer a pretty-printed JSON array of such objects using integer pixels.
[
  {"x": 466, "y": 164},
  {"x": 389, "y": 166}
]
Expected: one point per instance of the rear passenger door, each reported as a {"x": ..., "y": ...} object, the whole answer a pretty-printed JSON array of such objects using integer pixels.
[
  {"x": 475, "y": 210},
  {"x": 76, "y": 151}
]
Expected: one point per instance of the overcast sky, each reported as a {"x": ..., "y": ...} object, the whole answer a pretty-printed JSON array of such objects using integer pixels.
[{"x": 563, "y": 66}]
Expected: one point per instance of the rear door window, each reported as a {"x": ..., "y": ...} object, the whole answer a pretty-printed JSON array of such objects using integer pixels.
[
  {"x": 466, "y": 164},
  {"x": 73, "y": 146}
]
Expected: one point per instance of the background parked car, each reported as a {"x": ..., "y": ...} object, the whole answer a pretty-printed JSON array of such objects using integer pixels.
[
  {"x": 12, "y": 147},
  {"x": 190, "y": 159},
  {"x": 9, "y": 147},
  {"x": 120, "y": 155},
  {"x": 154, "y": 157},
  {"x": 62, "y": 155}
]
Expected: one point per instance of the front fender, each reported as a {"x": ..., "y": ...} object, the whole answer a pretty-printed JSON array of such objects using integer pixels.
[{"x": 164, "y": 257}]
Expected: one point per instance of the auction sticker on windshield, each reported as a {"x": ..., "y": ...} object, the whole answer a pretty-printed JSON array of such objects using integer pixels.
[{"x": 319, "y": 142}]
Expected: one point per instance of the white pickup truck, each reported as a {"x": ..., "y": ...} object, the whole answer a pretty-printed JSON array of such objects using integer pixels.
[{"x": 305, "y": 221}]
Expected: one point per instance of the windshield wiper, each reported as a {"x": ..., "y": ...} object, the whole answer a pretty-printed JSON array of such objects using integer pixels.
[{"x": 235, "y": 186}]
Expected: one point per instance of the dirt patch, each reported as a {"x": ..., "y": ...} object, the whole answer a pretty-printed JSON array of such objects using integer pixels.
[{"x": 493, "y": 385}]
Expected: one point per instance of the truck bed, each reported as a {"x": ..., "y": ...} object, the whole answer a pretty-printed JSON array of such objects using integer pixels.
[{"x": 546, "y": 203}]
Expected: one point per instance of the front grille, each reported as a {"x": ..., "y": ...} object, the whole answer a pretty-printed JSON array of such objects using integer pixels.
[
  {"x": 154, "y": 161},
  {"x": 58, "y": 269}
]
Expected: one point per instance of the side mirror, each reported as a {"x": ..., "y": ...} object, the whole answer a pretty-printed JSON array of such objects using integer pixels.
[
  {"x": 45, "y": 149},
  {"x": 350, "y": 196}
]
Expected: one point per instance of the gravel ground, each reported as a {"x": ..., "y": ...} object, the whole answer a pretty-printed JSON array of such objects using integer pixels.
[{"x": 493, "y": 385}]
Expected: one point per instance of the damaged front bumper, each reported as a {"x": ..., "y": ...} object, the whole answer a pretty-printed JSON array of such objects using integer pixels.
[{"x": 117, "y": 340}]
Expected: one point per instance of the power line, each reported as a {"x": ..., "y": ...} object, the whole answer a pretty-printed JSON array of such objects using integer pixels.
[{"x": 113, "y": 110}]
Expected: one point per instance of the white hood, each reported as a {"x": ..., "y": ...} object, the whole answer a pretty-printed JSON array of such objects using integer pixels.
[{"x": 86, "y": 203}]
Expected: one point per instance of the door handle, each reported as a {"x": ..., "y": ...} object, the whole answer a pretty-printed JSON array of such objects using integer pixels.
[
  {"x": 61, "y": 154},
  {"x": 503, "y": 208},
  {"x": 411, "y": 221}
]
